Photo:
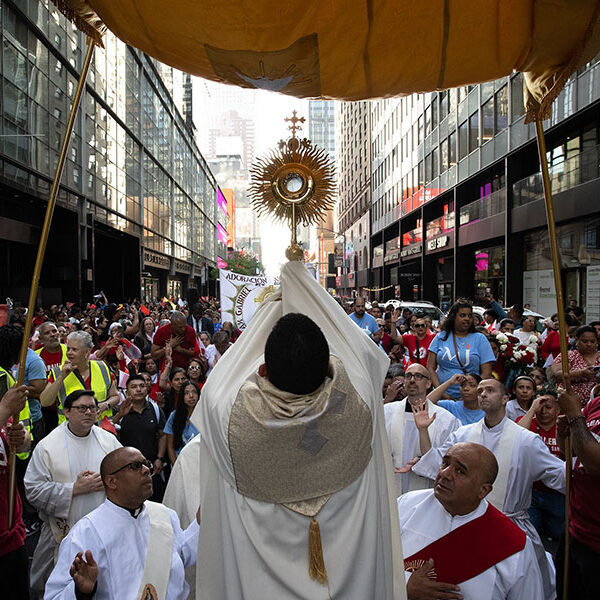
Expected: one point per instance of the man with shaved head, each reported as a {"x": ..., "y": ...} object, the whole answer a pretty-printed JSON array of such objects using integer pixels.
[
  {"x": 456, "y": 544},
  {"x": 522, "y": 459},
  {"x": 180, "y": 336},
  {"x": 413, "y": 425},
  {"x": 121, "y": 550}
]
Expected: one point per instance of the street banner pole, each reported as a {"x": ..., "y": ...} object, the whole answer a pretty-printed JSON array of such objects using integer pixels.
[
  {"x": 562, "y": 325},
  {"x": 39, "y": 261}
]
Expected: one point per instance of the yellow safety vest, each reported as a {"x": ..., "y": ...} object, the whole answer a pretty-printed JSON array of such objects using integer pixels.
[
  {"x": 100, "y": 382},
  {"x": 24, "y": 415},
  {"x": 63, "y": 358}
]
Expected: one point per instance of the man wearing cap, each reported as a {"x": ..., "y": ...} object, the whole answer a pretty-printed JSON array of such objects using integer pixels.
[
  {"x": 522, "y": 459},
  {"x": 62, "y": 480},
  {"x": 456, "y": 544}
]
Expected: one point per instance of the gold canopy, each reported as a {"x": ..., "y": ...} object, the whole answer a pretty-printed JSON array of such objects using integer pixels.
[{"x": 357, "y": 49}]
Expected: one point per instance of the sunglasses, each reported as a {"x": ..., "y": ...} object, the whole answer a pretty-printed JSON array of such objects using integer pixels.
[
  {"x": 193, "y": 368},
  {"x": 83, "y": 409},
  {"x": 420, "y": 326},
  {"x": 136, "y": 465}
]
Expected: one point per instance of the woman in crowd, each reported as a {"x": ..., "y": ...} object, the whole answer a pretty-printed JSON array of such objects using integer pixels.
[
  {"x": 539, "y": 376},
  {"x": 582, "y": 361},
  {"x": 466, "y": 408},
  {"x": 233, "y": 332},
  {"x": 458, "y": 348},
  {"x": 525, "y": 390},
  {"x": 205, "y": 339},
  {"x": 196, "y": 372},
  {"x": 170, "y": 383},
  {"x": 143, "y": 340},
  {"x": 527, "y": 330},
  {"x": 179, "y": 429}
]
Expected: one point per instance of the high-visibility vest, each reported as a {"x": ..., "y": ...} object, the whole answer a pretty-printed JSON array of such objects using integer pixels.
[
  {"x": 24, "y": 416},
  {"x": 100, "y": 382},
  {"x": 63, "y": 348}
]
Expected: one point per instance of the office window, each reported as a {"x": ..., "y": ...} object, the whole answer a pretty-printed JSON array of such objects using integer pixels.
[
  {"x": 516, "y": 97},
  {"x": 444, "y": 157},
  {"x": 487, "y": 115},
  {"x": 463, "y": 140},
  {"x": 501, "y": 109},
  {"x": 452, "y": 149},
  {"x": 473, "y": 131}
]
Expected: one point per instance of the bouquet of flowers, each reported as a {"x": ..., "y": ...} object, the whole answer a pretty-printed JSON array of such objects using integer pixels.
[{"x": 518, "y": 354}]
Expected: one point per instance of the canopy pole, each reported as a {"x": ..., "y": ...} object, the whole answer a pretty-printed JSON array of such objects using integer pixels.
[
  {"x": 39, "y": 261},
  {"x": 562, "y": 325}
]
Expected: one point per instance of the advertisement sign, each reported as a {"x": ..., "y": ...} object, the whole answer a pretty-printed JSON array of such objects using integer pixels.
[
  {"x": 338, "y": 252},
  {"x": 241, "y": 295},
  {"x": 539, "y": 291}
]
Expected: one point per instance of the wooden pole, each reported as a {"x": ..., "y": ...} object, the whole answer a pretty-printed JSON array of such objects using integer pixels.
[
  {"x": 562, "y": 325},
  {"x": 39, "y": 261}
]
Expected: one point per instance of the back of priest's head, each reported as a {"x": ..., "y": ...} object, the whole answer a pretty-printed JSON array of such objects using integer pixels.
[{"x": 296, "y": 355}]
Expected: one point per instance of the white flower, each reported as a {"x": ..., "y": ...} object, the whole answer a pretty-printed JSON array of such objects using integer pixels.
[
  {"x": 532, "y": 340},
  {"x": 518, "y": 354},
  {"x": 502, "y": 338}
]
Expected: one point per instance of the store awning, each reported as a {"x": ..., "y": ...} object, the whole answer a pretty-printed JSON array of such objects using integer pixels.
[{"x": 357, "y": 49}]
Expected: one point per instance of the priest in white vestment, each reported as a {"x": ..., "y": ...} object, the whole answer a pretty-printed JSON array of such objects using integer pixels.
[
  {"x": 476, "y": 550},
  {"x": 296, "y": 489},
  {"x": 413, "y": 425},
  {"x": 62, "y": 480},
  {"x": 183, "y": 495},
  {"x": 128, "y": 548},
  {"x": 522, "y": 459}
]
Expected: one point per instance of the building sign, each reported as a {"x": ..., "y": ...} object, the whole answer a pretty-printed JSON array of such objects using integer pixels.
[
  {"x": 152, "y": 259},
  {"x": 411, "y": 250},
  {"x": 539, "y": 291},
  {"x": 392, "y": 250},
  {"x": 592, "y": 296},
  {"x": 338, "y": 253},
  {"x": 378, "y": 256},
  {"x": 437, "y": 243},
  {"x": 183, "y": 267}
]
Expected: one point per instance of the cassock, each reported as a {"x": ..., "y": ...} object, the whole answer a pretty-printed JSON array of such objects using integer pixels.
[
  {"x": 183, "y": 495},
  {"x": 504, "y": 565},
  {"x": 118, "y": 540},
  {"x": 254, "y": 549},
  {"x": 403, "y": 436},
  {"x": 55, "y": 463},
  {"x": 522, "y": 459}
]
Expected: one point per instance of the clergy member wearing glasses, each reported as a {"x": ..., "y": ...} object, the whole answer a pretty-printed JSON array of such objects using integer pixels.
[
  {"x": 120, "y": 550},
  {"x": 63, "y": 478}
]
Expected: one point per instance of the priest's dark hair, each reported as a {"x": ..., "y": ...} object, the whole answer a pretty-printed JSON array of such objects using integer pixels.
[
  {"x": 296, "y": 354},
  {"x": 68, "y": 403}
]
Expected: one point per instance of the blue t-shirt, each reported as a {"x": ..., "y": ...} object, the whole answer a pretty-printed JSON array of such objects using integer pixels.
[
  {"x": 35, "y": 368},
  {"x": 367, "y": 323},
  {"x": 473, "y": 350},
  {"x": 465, "y": 415},
  {"x": 189, "y": 431}
]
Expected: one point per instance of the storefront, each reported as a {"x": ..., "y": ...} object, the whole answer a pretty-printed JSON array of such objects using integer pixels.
[
  {"x": 438, "y": 266},
  {"x": 489, "y": 272},
  {"x": 154, "y": 275}
]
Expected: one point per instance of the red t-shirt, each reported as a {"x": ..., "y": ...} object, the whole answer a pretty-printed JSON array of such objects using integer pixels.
[
  {"x": 549, "y": 438},
  {"x": 190, "y": 342},
  {"x": 585, "y": 490},
  {"x": 14, "y": 538},
  {"x": 411, "y": 342},
  {"x": 51, "y": 359}
]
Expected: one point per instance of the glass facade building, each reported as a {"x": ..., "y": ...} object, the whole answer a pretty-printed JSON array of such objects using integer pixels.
[
  {"x": 137, "y": 211},
  {"x": 456, "y": 199}
]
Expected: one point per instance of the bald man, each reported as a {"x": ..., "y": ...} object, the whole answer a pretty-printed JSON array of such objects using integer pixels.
[
  {"x": 522, "y": 459},
  {"x": 456, "y": 544},
  {"x": 120, "y": 550},
  {"x": 180, "y": 336},
  {"x": 413, "y": 425}
]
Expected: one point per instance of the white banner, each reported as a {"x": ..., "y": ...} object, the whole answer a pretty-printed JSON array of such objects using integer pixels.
[
  {"x": 592, "y": 295},
  {"x": 241, "y": 295},
  {"x": 539, "y": 291}
]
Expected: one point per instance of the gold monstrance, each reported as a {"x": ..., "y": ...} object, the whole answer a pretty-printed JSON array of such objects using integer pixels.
[{"x": 295, "y": 183}]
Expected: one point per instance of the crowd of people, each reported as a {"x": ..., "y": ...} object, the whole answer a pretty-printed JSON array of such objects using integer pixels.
[{"x": 473, "y": 408}]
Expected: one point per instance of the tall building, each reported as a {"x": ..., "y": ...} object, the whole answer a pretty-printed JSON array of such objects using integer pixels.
[
  {"x": 456, "y": 189},
  {"x": 353, "y": 131},
  {"x": 136, "y": 212},
  {"x": 320, "y": 239}
]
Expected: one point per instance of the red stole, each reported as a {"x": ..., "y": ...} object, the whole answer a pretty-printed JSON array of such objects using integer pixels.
[{"x": 471, "y": 549}]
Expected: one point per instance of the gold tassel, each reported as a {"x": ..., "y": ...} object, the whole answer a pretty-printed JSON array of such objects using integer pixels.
[{"x": 316, "y": 562}]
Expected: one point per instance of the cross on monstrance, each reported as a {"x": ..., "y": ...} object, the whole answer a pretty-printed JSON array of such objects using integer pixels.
[{"x": 293, "y": 120}]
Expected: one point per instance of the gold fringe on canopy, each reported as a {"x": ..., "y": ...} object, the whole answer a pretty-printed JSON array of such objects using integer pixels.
[{"x": 357, "y": 49}]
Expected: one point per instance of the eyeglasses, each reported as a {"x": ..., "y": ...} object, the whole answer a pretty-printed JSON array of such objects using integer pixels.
[
  {"x": 83, "y": 409},
  {"x": 415, "y": 376},
  {"x": 136, "y": 465}
]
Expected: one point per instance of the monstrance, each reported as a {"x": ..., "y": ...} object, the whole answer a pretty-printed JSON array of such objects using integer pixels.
[{"x": 294, "y": 183}]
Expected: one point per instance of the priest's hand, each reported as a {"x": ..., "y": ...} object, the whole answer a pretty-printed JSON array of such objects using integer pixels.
[
  {"x": 84, "y": 572},
  {"x": 421, "y": 414},
  {"x": 408, "y": 466},
  {"x": 421, "y": 587},
  {"x": 87, "y": 482}
]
